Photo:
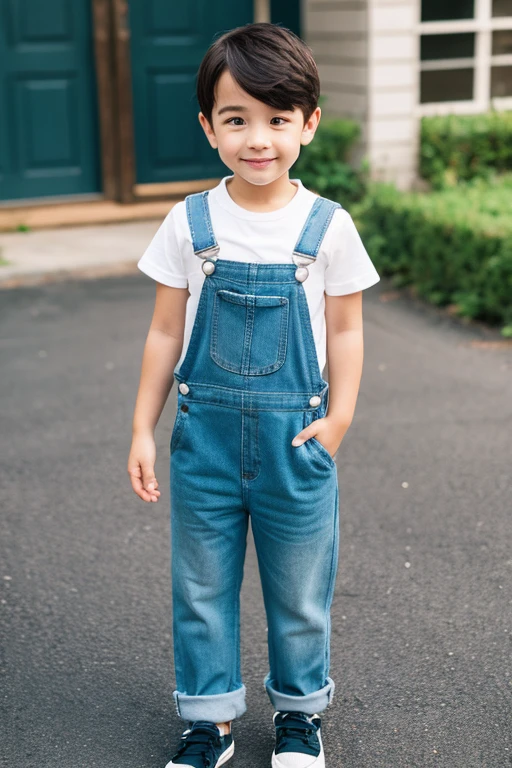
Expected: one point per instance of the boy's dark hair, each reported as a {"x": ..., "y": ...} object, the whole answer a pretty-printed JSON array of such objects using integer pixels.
[{"x": 270, "y": 62}]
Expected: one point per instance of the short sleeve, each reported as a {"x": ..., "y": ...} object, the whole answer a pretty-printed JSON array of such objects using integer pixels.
[
  {"x": 349, "y": 268},
  {"x": 162, "y": 259}
]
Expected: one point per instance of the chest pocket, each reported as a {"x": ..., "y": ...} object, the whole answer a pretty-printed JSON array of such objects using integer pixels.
[{"x": 249, "y": 333}]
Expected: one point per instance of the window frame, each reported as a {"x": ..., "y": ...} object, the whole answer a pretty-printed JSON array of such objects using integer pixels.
[{"x": 483, "y": 25}]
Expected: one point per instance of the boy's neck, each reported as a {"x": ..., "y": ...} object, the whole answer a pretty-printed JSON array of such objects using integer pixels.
[{"x": 261, "y": 198}]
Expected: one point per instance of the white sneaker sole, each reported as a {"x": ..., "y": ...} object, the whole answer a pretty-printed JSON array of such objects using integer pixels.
[{"x": 222, "y": 759}]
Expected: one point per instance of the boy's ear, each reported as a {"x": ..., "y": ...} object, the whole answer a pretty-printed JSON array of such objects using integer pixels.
[
  {"x": 310, "y": 127},
  {"x": 208, "y": 130}
]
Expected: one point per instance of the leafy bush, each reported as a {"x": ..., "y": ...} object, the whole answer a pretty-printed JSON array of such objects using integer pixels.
[
  {"x": 322, "y": 165},
  {"x": 454, "y": 246},
  {"x": 458, "y": 148}
]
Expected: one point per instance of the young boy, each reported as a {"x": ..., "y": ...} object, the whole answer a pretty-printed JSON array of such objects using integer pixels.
[{"x": 259, "y": 280}]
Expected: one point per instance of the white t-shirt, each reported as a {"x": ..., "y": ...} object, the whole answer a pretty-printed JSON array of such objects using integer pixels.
[{"x": 342, "y": 266}]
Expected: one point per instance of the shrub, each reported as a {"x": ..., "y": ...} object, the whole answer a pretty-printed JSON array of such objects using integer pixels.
[
  {"x": 454, "y": 246},
  {"x": 458, "y": 148},
  {"x": 322, "y": 165}
]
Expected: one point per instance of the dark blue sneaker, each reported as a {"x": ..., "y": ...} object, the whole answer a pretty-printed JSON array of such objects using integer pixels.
[
  {"x": 298, "y": 741},
  {"x": 203, "y": 746}
]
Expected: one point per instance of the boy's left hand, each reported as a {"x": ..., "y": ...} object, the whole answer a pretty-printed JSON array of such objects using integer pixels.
[{"x": 328, "y": 432}]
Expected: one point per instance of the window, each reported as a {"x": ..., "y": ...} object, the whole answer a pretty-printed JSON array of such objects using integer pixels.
[
  {"x": 502, "y": 42},
  {"x": 453, "y": 85},
  {"x": 501, "y": 82},
  {"x": 465, "y": 55},
  {"x": 502, "y": 8},
  {"x": 456, "y": 46},
  {"x": 441, "y": 10}
]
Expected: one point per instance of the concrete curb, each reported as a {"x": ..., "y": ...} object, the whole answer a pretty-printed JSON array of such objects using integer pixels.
[
  {"x": 45, "y": 277},
  {"x": 77, "y": 253}
]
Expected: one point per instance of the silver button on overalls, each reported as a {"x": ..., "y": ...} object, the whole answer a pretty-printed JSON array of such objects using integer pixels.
[{"x": 209, "y": 256}]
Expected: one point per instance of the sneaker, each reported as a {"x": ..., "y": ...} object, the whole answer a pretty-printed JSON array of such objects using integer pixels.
[
  {"x": 298, "y": 741},
  {"x": 203, "y": 746}
]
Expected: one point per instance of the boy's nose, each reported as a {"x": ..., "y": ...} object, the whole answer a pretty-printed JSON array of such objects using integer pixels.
[{"x": 258, "y": 141}]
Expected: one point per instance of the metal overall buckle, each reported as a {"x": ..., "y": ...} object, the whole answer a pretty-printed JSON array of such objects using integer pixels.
[{"x": 302, "y": 272}]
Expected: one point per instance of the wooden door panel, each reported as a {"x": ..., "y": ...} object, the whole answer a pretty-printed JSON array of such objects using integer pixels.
[
  {"x": 48, "y": 131},
  {"x": 168, "y": 41}
]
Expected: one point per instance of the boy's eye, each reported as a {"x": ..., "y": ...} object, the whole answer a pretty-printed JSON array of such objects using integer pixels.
[{"x": 239, "y": 118}]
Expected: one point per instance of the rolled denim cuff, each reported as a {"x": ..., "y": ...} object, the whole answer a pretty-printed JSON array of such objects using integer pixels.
[
  {"x": 217, "y": 707},
  {"x": 311, "y": 703}
]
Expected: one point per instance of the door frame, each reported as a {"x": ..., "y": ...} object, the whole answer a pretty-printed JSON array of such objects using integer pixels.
[
  {"x": 105, "y": 79},
  {"x": 111, "y": 33},
  {"x": 111, "y": 51}
]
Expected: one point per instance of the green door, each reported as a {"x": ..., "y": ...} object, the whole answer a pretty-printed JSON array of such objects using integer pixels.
[
  {"x": 168, "y": 41},
  {"x": 287, "y": 14},
  {"x": 48, "y": 119}
]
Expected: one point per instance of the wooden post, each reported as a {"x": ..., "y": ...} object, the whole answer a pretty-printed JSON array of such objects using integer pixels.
[
  {"x": 102, "y": 34},
  {"x": 123, "y": 100}
]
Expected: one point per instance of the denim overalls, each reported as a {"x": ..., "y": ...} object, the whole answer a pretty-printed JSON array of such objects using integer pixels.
[{"x": 249, "y": 382}]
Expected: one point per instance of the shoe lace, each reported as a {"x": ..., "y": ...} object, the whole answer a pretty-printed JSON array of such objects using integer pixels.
[
  {"x": 287, "y": 733},
  {"x": 194, "y": 743}
]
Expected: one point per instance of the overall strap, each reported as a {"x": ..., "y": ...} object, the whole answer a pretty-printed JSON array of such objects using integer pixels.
[
  {"x": 200, "y": 224},
  {"x": 313, "y": 231}
]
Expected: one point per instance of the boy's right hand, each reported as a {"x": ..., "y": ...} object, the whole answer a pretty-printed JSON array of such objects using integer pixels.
[{"x": 141, "y": 463}]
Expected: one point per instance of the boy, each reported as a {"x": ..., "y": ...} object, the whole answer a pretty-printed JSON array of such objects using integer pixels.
[{"x": 273, "y": 272}]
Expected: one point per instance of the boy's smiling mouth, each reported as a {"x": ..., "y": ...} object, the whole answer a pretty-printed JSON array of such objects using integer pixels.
[{"x": 262, "y": 162}]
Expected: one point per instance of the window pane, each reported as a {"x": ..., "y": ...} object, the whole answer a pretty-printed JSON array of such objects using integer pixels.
[
  {"x": 501, "y": 41},
  {"x": 502, "y": 7},
  {"x": 440, "y": 10},
  {"x": 458, "y": 46},
  {"x": 501, "y": 81},
  {"x": 446, "y": 85}
]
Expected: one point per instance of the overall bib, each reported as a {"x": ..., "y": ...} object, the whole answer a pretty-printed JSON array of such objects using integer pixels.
[{"x": 249, "y": 382}]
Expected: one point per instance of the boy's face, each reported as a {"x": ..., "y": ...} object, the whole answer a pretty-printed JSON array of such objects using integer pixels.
[{"x": 245, "y": 129}]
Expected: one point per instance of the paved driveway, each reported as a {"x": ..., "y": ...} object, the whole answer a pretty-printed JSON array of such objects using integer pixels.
[{"x": 421, "y": 623}]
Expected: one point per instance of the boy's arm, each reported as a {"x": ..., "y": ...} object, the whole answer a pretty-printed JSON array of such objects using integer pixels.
[
  {"x": 344, "y": 328},
  {"x": 162, "y": 351},
  {"x": 344, "y": 324}
]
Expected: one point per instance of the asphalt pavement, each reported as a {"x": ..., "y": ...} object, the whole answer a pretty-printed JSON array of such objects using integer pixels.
[{"x": 421, "y": 619}]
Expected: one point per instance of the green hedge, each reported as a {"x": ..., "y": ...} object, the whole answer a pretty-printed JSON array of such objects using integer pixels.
[
  {"x": 322, "y": 165},
  {"x": 454, "y": 246},
  {"x": 458, "y": 148}
]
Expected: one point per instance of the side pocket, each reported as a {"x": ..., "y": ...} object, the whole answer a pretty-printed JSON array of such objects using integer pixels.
[
  {"x": 177, "y": 430},
  {"x": 319, "y": 447},
  {"x": 316, "y": 445}
]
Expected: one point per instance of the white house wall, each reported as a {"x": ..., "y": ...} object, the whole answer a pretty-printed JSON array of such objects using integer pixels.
[
  {"x": 367, "y": 53},
  {"x": 393, "y": 55},
  {"x": 337, "y": 31}
]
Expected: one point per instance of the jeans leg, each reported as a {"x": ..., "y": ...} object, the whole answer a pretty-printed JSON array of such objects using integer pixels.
[
  {"x": 295, "y": 522},
  {"x": 209, "y": 533}
]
